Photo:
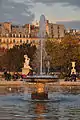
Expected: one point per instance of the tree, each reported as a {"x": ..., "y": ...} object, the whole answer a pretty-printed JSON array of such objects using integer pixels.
[
  {"x": 13, "y": 59},
  {"x": 64, "y": 52}
]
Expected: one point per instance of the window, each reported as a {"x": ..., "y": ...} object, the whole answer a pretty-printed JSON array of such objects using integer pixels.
[
  {"x": 20, "y": 41},
  {"x": 10, "y": 41},
  {"x": 26, "y": 41},
  {"x": 14, "y": 41},
  {"x": 13, "y": 35},
  {"x": 20, "y": 35}
]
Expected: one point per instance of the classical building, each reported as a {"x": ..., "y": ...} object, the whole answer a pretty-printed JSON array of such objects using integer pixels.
[
  {"x": 73, "y": 32},
  {"x": 55, "y": 30},
  {"x": 11, "y": 35}
]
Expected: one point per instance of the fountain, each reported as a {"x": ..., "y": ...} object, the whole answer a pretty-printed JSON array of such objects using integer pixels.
[
  {"x": 42, "y": 34},
  {"x": 40, "y": 93}
]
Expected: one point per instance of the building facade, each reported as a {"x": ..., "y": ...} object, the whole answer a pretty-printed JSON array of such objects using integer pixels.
[
  {"x": 55, "y": 30},
  {"x": 11, "y": 35}
]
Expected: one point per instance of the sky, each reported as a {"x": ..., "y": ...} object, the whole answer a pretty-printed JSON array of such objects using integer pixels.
[{"x": 26, "y": 11}]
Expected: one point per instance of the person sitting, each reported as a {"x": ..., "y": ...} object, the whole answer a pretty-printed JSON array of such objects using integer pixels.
[{"x": 73, "y": 77}]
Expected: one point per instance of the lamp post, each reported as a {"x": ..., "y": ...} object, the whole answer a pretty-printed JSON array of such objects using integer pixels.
[
  {"x": 48, "y": 66},
  {"x": 7, "y": 44}
]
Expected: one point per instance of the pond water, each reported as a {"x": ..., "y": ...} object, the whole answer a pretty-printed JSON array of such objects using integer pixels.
[{"x": 61, "y": 103}]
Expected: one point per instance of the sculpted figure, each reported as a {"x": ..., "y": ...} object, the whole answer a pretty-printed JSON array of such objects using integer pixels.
[{"x": 26, "y": 64}]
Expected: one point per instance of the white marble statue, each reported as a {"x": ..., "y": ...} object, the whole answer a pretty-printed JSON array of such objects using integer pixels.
[
  {"x": 26, "y": 64},
  {"x": 73, "y": 68},
  {"x": 26, "y": 69}
]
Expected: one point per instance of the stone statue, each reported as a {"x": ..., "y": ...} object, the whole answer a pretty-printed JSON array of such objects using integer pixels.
[
  {"x": 26, "y": 64},
  {"x": 26, "y": 69},
  {"x": 73, "y": 68}
]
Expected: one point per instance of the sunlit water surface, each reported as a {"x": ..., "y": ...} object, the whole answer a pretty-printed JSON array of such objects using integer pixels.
[{"x": 62, "y": 103}]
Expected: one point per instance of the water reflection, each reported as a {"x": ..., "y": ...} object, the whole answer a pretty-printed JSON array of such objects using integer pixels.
[
  {"x": 45, "y": 112},
  {"x": 7, "y": 90},
  {"x": 39, "y": 92},
  {"x": 39, "y": 110},
  {"x": 38, "y": 101}
]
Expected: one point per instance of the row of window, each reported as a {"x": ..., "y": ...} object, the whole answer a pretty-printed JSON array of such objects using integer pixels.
[
  {"x": 15, "y": 41},
  {"x": 19, "y": 35},
  {"x": 14, "y": 35}
]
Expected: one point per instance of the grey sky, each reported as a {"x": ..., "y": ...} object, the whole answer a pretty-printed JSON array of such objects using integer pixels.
[
  {"x": 25, "y": 11},
  {"x": 17, "y": 12},
  {"x": 66, "y": 2}
]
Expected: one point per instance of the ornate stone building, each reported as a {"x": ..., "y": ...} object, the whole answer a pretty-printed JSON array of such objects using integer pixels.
[
  {"x": 11, "y": 35},
  {"x": 55, "y": 30}
]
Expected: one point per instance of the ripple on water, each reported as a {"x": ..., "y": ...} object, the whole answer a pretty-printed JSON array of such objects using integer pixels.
[{"x": 58, "y": 106}]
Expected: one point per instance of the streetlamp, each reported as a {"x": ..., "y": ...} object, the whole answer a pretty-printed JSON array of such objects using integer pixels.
[{"x": 48, "y": 64}]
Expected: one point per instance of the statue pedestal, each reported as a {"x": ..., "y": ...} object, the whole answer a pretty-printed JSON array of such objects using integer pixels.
[
  {"x": 25, "y": 71},
  {"x": 73, "y": 71},
  {"x": 39, "y": 96}
]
